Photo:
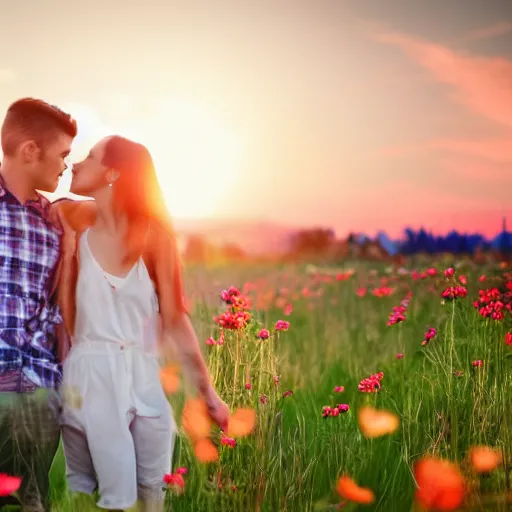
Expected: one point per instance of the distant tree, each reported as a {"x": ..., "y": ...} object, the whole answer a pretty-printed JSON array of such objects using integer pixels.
[
  {"x": 312, "y": 241},
  {"x": 197, "y": 250}
]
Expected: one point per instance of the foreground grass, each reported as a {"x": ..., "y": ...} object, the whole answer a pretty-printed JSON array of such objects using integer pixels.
[{"x": 294, "y": 458}]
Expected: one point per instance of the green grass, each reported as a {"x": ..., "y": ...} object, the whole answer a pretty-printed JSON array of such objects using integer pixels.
[{"x": 294, "y": 458}]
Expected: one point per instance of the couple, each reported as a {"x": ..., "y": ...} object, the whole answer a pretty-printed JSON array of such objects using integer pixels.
[{"x": 105, "y": 275}]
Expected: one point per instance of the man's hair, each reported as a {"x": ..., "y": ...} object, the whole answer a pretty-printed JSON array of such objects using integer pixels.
[{"x": 33, "y": 119}]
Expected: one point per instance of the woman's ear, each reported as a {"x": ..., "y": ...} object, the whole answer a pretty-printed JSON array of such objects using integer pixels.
[{"x": 112, "y": 176}]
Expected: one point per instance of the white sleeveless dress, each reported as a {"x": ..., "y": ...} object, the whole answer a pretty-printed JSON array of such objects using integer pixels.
[{"x": 117, "y": 425}]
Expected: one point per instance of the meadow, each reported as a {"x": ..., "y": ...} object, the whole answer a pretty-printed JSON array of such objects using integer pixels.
[{"x": 446, "y": 374}]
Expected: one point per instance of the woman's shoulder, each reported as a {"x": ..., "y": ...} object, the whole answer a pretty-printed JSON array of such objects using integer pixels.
[{"x": 78, "y": 215}]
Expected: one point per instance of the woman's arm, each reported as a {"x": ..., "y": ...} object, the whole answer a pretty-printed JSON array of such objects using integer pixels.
[{"x": 178, "y": 332}]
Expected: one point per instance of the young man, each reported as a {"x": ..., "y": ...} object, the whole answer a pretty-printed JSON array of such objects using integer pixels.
[{"x": 36, "y": 139}]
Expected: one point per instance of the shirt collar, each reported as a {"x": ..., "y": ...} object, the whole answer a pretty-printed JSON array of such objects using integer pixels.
[{"x": 38, "y": 204}]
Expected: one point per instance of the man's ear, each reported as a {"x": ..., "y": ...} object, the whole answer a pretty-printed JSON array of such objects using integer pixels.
[{"x": 29, "y": 151}]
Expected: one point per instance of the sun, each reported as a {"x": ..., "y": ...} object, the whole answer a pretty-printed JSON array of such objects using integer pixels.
[{"x": 197, "y": 157}]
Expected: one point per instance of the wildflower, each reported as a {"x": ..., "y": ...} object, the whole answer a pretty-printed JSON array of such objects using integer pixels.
[
  {"x": 228, "y": 441},
  {"x": 454, "y": 292},
  {"x": 458, "y": 373},
  {"x": 288, "y": 309},
  {"x": 371, "y": 384},
  {"x": 449, "y": 272},
  {"x": 429, "y": 335},
  {"x": 339, "y": 389},
  {"x": 211, "y": 341},
  {"x": 383, "y": 291},
  {"x": 399, "y": 356},
  {"x": 228, "y": 295},
  {"x": 221, "y": 339},
  {"x": 508, "y": 339},
  {"x": 175, "y": 481},
  {"x": 263, "y": 334},
  {"x": 181, "y": 471},
  {"x": 282, "y": 325},
  {"x": 343, "y": 407},
  {"x": 248, "y": 386},
  {"x": 287, "y": 393},
  {"x": 477, "y": 363},
  {"x": 263, "y": 399},
  {"x": 482, "y": 278},
  {"x": 463, "y": 280},
  {"x": 233, "y": 321},
  {"x": 361, "y": 292},
  {"x": 490, "y": 304},
  {"x": 9, "y": 484},
  {"x": 431, "y": 272}
]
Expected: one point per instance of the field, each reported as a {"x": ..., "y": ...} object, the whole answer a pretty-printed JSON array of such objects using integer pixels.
[{"x": 450, "y": 394}]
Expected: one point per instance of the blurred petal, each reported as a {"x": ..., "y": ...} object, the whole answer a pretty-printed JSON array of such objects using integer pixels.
[
  {"x": 375, "y": 423},
  {"x": 242, "y": 423},
  {"x": 349, "y": 490},
  {"x": 484, "y": 459},
  {"x": 195, "y": 419},
  {"x": 206, "y": 451}
]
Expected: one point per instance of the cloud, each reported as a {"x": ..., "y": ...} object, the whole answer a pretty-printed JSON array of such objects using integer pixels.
[
  {"x": 483, "y": 85},
  {"x": 7, "y": 75},
  {"x": 501, "y": 28}
]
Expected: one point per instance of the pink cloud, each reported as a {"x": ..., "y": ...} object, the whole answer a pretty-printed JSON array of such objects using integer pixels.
[
  {"x": 502, "y": 28},
  {"x": 483, "y": 84}
]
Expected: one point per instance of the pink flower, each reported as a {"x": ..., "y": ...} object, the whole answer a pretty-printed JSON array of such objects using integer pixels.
[
  {"x": 463, "y": 280},
  {"x": 431, "y": 272},
  {"x": 181, "y": 471},
  {"x": 449, "y": 272},
  {"x": 361, "y": 292},
  {"x": 287, "y": 393},
  {"x": 175, "y": 481},
  {"x": 288, "y": 309},
  {"x": 211, "y": 341},
  {"x": 248, "y": 386},
  {"x": 400, "y": 356},
  {"x": 228, "y": 441},
  {"x": 343, "y": 408},
  {"x": 263, "y": 334},
  {"x": 276, "y": 379},
  {"x": 508, "y": 339},
  {"x": 263, "y": 399},
  {"x": 339, "y": 389},
  {"x": 477, "y": 363},
  {"x": 282, "y": 325}
]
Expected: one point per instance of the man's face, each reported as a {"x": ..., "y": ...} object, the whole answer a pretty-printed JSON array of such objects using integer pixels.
[{"x": 48, "y": 168}]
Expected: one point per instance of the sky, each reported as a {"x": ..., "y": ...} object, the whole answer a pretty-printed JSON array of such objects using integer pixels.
[{"x": 359, "y": 115}]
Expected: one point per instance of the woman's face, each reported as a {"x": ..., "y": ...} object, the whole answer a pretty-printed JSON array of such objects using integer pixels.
[{"x": 90, "y": 175}]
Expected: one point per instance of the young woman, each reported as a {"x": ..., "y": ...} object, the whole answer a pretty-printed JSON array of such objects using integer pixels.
[{"x": 121, "y": 298}]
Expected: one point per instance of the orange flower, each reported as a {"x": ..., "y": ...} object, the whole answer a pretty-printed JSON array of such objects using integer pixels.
[
  {"x": 484, "y": 459},
  {"x": 206, "y": 451},
  {"x": 440, "y": 484},
  {"x": 349, "y": 490},
  {"x": 170, "y": 379},
  {"x": 195, "y": 419},
  {"x": 241, "y": 423},
  {"x": 375, "y": 423}
]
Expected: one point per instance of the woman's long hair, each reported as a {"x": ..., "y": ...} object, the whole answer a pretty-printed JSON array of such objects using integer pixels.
[{"x": 137, "y": 194}]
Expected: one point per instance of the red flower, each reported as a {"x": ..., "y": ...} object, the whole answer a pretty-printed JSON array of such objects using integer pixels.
[
  {"x": 477, "y": 363},
  {"x": 508, "y": 339},
  {"x": 449, "y": 272},
  {"x": 9, "y": 484},
  {"x": 339, "y": 389},
  {"x": 399, "y": 356},
  {"x": 454, "y": 292},
  {"x": 287, "y": 393},
  {"x": 371, "y": 384},
  {"x": 228, "y": 441}
]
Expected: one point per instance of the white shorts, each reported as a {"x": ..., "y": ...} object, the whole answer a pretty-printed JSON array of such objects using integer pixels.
[{"x": 108, "y": 445}]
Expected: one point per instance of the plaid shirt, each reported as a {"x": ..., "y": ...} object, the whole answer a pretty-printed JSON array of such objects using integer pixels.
[{"x": 29, "y": 253}]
